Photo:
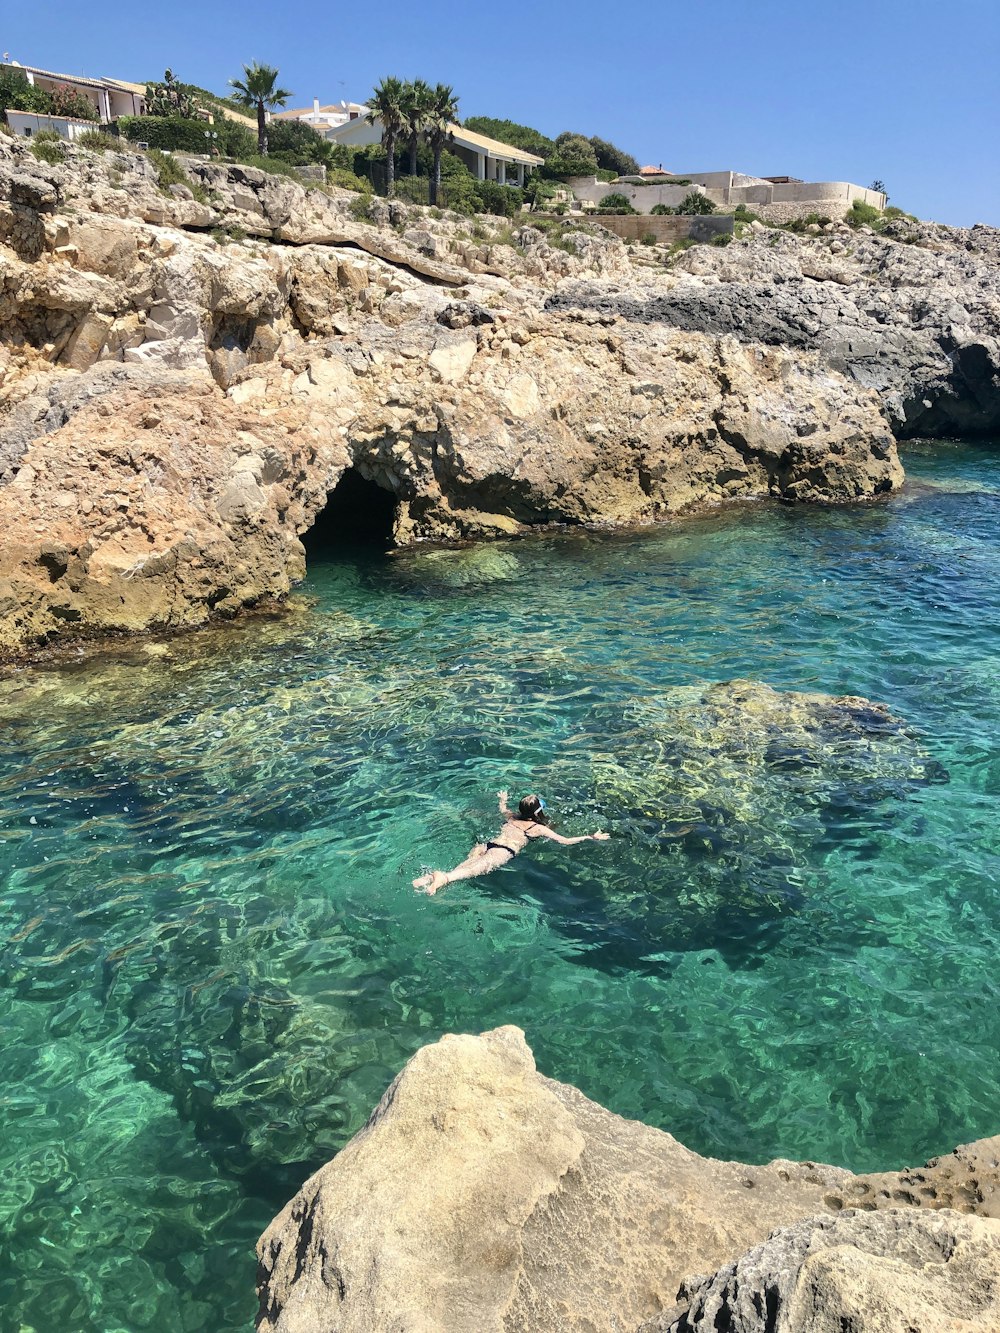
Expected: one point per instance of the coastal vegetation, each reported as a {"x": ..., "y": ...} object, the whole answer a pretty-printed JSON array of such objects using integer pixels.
[
  {"x": 570, "y": 154},
  {"x": 258, "y": 92}
]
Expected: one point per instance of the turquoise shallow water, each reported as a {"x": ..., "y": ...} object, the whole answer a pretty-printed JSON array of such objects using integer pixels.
[{"x": 212, "y": 963}]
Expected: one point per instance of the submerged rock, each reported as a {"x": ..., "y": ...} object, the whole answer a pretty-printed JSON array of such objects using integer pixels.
[
  {"x": 484, "y": 1197},
  {"x": 726, "y": 791}
]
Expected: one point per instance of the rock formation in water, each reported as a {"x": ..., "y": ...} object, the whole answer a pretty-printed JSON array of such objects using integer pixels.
[
  {"x": 177, "y": 404},
  {"x": 484, "y": 1197}
]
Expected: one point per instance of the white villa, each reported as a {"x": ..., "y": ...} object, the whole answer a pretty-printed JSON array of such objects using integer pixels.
[
  {"x": 110, "y": 98},
  {"x": 487, "y": 159},
  {"x": 323, "y": 118}
]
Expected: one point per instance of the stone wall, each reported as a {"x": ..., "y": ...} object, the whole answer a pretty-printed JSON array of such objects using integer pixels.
[
  {"x": 667, "y": 229},
  {"x": 643, "y": 198}
]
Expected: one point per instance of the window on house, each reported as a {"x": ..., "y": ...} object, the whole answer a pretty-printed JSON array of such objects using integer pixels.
[{"x": 27, "y": 131}]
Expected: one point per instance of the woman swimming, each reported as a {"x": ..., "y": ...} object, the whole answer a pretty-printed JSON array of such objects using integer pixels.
[{"x": 518, "y": 830}]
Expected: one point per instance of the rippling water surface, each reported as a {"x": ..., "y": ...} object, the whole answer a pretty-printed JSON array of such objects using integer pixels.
[{"x": 212, "y": 962}]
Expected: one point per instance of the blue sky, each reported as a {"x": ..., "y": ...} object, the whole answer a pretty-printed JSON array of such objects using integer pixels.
[{"x": 904, "y": 91}]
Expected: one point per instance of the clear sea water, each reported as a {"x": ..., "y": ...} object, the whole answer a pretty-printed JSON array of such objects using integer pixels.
[{"x": 212, "y": 962}]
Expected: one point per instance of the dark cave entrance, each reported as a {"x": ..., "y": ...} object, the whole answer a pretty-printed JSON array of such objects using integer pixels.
[{"x": 357, "y": 513}]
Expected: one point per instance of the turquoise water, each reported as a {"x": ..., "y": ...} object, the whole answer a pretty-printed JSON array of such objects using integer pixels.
[{"x": 212, "y": 962}]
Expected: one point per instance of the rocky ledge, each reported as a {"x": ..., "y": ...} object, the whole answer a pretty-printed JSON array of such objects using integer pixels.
[
  {"x": 482, "y": 1196},
  {"x": 185, "y": 381}
]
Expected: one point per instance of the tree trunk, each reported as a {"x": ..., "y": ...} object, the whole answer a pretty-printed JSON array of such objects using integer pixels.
[
  {"x": 261, "y": 130},
  {"x": 413, "y": 154},
  {"x": 436, "y": 177},
  {"x": 390, "y": 165}
]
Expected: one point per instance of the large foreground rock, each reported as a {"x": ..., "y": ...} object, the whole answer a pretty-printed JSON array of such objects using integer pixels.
[{"x": 482, "y": 1197}]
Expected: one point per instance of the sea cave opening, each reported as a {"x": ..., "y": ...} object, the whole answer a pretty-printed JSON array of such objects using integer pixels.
[{"x": 358, "y": 513}]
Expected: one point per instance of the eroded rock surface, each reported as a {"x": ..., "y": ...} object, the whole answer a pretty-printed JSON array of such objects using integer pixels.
[
  {"x": 483, "y": 1197},
  {"x": 890, "y": 1273},
  {"x": 913, "y": 313}
]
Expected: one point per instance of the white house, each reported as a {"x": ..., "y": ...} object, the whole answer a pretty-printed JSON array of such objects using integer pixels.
[
  {"x": 487, "y": 159},
  {"x": 323, "y": 118},
  {"x": 110, "y": 98}
]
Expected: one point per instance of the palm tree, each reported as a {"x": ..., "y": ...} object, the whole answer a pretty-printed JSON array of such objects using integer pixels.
[
  {"x": 416, "y": 103},
  {"x": 386, "y": 104},
  {"x": 440, "y": 116},
  {"x": 256, "y": 91}
]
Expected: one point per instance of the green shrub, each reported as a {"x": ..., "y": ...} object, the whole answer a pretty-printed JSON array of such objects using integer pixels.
[
  {"x": 47, "y": 136},
  {"x": 863, "y": 215},
  {"x": 272, "y": 165},
  {"x": 165, "y": 132},
  {"x": 51, "y": 153},
  {"x": 611, "y": 158},
  {"x": 344, "y": 179},
  {"x": 360, "y": 208},
  {"x": 723, "y": 238},
  {"x": 615, "y": 203},
  {"x": 508, "y": 131},
  {"x": 17, "y": 94},
  {"x": 813, "y": 219},
  {"x": 296, "y": 142},
  {"x": 504, "y": 201},
  {"x": 662, "y": 211},
  {"x": 170, "y": 172},
  {"x": 96, "y": 141},
  {"x": 744, "y": 214},
  {"x": 695, "y": 204},
  {"x": 67, "y": 102},
  {"x": 648, "y": 238},
  {"x": 893, "y": 214},
  {"x": 230, "y": 233}
]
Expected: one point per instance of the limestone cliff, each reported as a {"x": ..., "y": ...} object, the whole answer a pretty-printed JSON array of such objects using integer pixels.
[
  {"x": 482, "y": 1197},
  {"x": 176, "y": 405}
]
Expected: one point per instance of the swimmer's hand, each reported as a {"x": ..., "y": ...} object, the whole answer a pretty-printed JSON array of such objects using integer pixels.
[
  {"x": 600, "y": 837},
  {"x": 502, "y": 795}
]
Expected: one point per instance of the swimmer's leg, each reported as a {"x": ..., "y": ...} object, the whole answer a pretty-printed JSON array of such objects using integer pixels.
[{"x": 478, "y": 862}]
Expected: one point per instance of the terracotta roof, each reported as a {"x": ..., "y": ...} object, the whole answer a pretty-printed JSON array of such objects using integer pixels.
[{"x": 654, "y": 171}]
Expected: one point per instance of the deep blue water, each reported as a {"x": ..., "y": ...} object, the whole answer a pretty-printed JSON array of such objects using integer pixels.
[{"x": 212, "y": 962}]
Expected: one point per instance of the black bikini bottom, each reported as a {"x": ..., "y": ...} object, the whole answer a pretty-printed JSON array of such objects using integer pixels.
[{"x": 500, "y": 847}]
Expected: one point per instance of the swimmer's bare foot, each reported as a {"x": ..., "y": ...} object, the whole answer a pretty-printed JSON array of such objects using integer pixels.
[{"x": 430, "y": 884}]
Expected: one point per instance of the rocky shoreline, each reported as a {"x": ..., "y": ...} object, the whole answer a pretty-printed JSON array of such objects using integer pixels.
[
  {"x": 483, "y": 1196},
  {"x": 177, "y": 407},
  {"x": 185, "y": 382}
]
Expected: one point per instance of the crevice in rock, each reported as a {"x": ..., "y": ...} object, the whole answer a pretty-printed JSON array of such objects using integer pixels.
[{"x": 358, "y": 512}]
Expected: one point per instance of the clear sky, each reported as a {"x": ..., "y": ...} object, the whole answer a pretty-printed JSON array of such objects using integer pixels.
[{"x": 904, "y": 90}]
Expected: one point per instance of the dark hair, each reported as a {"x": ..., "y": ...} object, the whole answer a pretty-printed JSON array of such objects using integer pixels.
[{"x": 531, "y": 807}]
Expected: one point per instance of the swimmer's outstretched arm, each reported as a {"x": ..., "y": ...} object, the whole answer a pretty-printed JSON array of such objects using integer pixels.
[
  {"x": 545, "y": 832},
  {"x": 504, "y": 810}
]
